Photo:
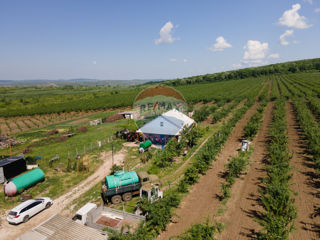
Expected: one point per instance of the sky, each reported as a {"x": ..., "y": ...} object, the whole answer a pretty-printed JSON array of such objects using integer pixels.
[{"x": 148, "y": 39}]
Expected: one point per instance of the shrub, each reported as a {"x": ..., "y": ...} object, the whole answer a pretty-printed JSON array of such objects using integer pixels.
[
  {"x": 83, "y": 129},
  {"x": 52, "y": 132}
]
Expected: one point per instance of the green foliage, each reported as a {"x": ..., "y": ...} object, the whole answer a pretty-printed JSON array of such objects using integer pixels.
[
  {"x": 252, "y": 127},
  {"x": 200, "y": 231},
  {"x": 201, "y": 114},
  {"x": 310, "y": 128},
  {"x": 276, "y": 196},
  {"x": 236, "y": 166},
  {"x": 191, "y": 136},
  {"x": 284, "y": 68},
  {"x": 115, "y": 168},
  {"x": 191, "y": 175},
  {"x": 160, "y": 212},
  {"x": 175, "y": 148}
]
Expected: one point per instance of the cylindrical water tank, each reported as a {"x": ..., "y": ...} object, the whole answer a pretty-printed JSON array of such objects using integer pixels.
[
  {"x": 121, "y": 178},
  {"x": 145, "y": 144},
  {"x": 23, "y": 181}
]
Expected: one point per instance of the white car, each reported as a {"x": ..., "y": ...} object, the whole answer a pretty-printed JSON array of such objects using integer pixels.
[{"x": 27, "y": 209}]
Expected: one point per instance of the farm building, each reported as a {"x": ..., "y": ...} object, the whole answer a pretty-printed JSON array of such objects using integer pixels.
[
  {"x": 60, "y": 227},
  {"x": 166, "y": 126},
  {"x": 130, "y": 114},
  {"x": 95, "y": 122},
  {"x": 11, "y": 167}
]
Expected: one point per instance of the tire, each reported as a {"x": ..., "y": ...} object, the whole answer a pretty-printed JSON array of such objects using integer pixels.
[
  {"x": 116, "y": 199},
  {"x": 48, "y": 205},
  {"x": 26, "y": 219},
  {"x": 127, "y": 197}
]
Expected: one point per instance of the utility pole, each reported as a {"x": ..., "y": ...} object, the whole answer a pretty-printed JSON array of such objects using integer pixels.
[
  {"x": 112, "y": 153},
  {"x": 9, "y": 143}
]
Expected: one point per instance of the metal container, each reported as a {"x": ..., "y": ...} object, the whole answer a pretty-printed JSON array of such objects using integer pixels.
[
  {"x": 23, "y": 181},
  {"x": 121, "y": 178}
]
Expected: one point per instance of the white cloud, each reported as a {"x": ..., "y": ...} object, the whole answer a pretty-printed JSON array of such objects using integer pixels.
[
  {"x": 179, "y": 60},
  {"x": 291, "y": 18},
  {"x": 274, "y": 55},
  {"x": 283, "y": 39},
  {"x": 255, "y": 51},
  {"x": 220, "y": 44},
  {"x": 237, "y": 65},
  {"x": 94, "y": 62},
  {"x": 317, "y": 10},
  {"x": 166, "y": 34}
]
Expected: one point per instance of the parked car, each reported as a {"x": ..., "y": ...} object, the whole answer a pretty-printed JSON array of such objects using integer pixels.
[{"x": 24, "y": 211}]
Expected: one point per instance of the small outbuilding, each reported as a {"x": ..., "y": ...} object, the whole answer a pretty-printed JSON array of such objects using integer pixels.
[
  {"x": 170, "y": 124},
  {"x": 11, "y": 167},
  {"x": 95, "y": 122},
  {"x": 59, "y": 227},
  {"x": 130, "y": 114}
]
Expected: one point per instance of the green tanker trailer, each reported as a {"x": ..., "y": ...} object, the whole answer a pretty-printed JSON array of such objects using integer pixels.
[
  {"x": 23, "y": 181},
  {"x": 144, "y": 146},
  {"x": 120, "y": 186}
]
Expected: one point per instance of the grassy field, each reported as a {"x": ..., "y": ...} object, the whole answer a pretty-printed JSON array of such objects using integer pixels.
[{"x": 64, "y": 173}]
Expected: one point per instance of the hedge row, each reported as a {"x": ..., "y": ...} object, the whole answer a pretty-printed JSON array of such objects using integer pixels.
[
  {"x": 311, "y": 130},
  {"x": 279, "y": 213}
]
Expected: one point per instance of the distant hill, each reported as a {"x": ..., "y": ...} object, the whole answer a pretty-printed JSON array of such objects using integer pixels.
[
  {"x": 75, "y": 82},
  {"x": 279, "y": 68}
]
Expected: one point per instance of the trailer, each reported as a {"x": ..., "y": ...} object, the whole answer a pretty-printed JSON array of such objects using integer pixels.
[
  {"x": 124, "y": 185},
  {"x": 120, "y": 186}
]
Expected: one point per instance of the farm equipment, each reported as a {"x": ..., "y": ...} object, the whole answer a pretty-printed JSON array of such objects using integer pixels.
[
  {"x": 144, "y": 146},
  {"x": 123, "y": 185},
  {"x": 245, "y": 145},
  {"x": 120, "y": 186},
  {"x": 128, "y": 135},
  {"x": 150, "y": 187}
]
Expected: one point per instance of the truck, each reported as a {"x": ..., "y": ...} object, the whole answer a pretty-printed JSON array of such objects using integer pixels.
[{"x": 123, "y": 185}]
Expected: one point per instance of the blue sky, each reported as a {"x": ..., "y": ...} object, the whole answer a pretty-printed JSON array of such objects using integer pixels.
[{"x": 146, "y": 39}]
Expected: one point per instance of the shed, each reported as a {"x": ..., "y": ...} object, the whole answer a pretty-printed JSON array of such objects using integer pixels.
[
  {"x": 95, "y": 122},
  {"x": 59, "y": 227},
  {"x": 11, "y": 167},
  {"x": 166, "y": 126},
  {"x": 130, "y": 114}
]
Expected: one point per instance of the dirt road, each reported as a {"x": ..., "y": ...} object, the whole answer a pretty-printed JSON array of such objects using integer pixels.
[
  {"x": 304, "y": 182},
  {"x": 202, "y": 201},
  {"x": 9, "y": 232},
  {"x": 243, "y": 205}
]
